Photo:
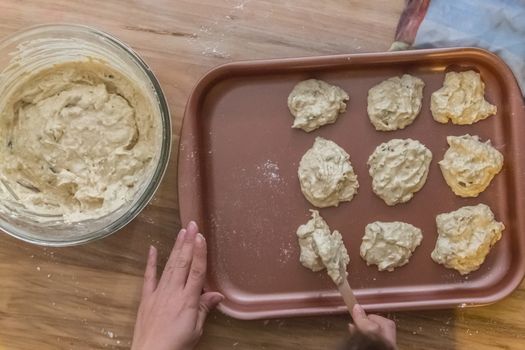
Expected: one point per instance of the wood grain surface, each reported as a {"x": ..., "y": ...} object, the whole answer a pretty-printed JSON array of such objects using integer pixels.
[{"x": 86, "y": 297}]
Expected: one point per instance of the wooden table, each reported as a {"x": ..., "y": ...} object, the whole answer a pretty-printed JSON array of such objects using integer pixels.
[{"x": 86, "y": 297}]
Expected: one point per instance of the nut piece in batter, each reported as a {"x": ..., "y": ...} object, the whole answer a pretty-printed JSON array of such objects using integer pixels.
[
  {"x": 315, "y": 103},
  {"x": 469, "y": 165},
  {"x": 77, "y": 140},
  {"x": 326, "y": 174},
  {"x": 395, "y": 103},
  {"x": 321, "y": 249},
  {"x": 465, "y": 237},
  {"x": 399, "y": 168},
  {"x": 389, "y": 244},
  {"x": 461, "y": 99}
]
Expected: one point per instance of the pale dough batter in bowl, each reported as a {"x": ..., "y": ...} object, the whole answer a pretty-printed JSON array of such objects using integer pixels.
[
  {"x": 85, "y": 135},
  {"x": 76, "y": 139}
]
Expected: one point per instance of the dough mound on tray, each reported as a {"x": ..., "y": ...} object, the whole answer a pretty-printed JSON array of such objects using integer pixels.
[
  {"x": 399, "y": 168},
  {"x": 395, "y": 103},
  {"x": 389, "y": 244},
  {"x": 326, "y": 174},
  {"x": 469, "y": 165},
  {"x": 461, "y": 99},
  {"x": 465, "y": 237},
  {"x": 315, "y": 103},
  {"x": 321, "y": 249}
]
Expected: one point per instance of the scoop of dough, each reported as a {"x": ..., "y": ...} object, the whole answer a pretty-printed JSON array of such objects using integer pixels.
[
  {"x": 399, "y": 168},
  {"x": 389, "y": 244},
  {"x": 465, "y": 237},
  {"x": 469, "y": 165},
  {"x": 326, "y": 174},
  {"x": 395, "y": 103},
  {"x": 315, "y": 103},
  {"x": 461, "y": 99},
  {"x": 321, "y": 249}
]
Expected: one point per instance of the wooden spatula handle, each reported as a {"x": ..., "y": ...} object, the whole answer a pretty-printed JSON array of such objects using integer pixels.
[{"x": 348, "y": 295}]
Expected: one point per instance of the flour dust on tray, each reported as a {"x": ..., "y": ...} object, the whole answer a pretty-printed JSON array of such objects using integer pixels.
[
  {"x": 465, "y": 237},
  {"x": 326, "y": 174},
  {"x": 315, "y": 103},
  {"x": 76, "y": 139},
  {"x": 321, "y": 249}
]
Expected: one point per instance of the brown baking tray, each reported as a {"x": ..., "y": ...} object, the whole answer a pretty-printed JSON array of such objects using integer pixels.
[{"x": 238, "y": 178}]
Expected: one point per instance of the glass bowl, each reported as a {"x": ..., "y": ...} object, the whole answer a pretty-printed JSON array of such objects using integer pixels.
[{"x": 44, "y": 46}]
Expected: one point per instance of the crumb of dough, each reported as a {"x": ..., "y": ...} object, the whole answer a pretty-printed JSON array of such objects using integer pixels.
[
  {"x": 315, "y": 103},
  {"x": 326, "y": 174},
  {"x": 389, "y": 244},
  {"x": 78, "y": 138},
  {"x": 461, "y": 99},
  {"x": 399, "y": 168},
  {"x": 395, "y": 103},
  {"x": 469, "y": 165},
  {"x": 321, "y": 249},
  {"x": 465, "y": 237}
]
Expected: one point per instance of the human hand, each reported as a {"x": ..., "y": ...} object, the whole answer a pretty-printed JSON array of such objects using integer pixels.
[
  {"x": 172, "y": 311},
  {"x": 374, "y": 325}
]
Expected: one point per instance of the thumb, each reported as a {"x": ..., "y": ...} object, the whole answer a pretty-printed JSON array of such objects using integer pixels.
[
  {"x": 208, "y": 302},
  {"x": 362, "y": 321}
]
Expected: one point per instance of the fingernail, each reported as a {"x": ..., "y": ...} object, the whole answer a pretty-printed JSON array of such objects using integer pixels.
[
  {"x": 151, "y": 250},
  {"x": 182, "y": 233},
  {"x": 199, "y": 240},
  {"x": 193, "y": 225},
  {"x": 200, "y": 237}
]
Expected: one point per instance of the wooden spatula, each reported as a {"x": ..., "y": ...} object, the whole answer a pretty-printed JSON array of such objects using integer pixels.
[{"x": 346, "y": 292}]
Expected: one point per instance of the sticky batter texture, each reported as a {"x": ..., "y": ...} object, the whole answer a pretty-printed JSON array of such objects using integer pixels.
[
  {"x": 461, "y": 99},
  {"x": 469, "y": 165},
  {"x": 399, "y": 168},
  {"x": 465, "y": 237},
  {"x": 395, "y": 103},
  {"x": 389, "y": 244},
  {"x": 321, "y": 249},
  {"x": 75, "y": 140},
  {"x": 326, "y": 174},
  {"x": 315, "y": 103}
]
